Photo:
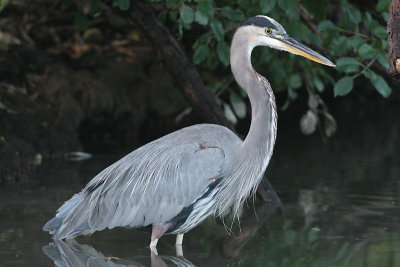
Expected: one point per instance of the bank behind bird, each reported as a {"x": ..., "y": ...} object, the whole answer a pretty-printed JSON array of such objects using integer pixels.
[{"x": 170, "y": 185}]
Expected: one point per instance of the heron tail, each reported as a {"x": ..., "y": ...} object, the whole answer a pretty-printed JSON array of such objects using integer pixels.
[{"x": 53, "y": 226}]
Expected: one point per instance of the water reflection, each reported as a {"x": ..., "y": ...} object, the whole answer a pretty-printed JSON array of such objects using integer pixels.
[{"x": 71, "y": 253}]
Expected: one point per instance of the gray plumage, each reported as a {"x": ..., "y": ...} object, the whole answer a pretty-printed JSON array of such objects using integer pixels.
[
  {"x": 172, "y": 171},
  {"x": 175, "y": 182}
]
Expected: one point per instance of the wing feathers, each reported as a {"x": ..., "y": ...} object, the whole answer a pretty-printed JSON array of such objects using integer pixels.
[{"x": 154, "y": 183}]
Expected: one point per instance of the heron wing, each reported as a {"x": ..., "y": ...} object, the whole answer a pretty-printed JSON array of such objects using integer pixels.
[{"x": 154, "y": 183}]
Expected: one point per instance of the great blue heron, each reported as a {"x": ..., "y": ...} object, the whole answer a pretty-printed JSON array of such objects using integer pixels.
[{"x": 170, "y": 185}]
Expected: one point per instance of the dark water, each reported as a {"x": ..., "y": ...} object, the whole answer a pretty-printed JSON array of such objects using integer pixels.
[{"x": 340, "y": 207}]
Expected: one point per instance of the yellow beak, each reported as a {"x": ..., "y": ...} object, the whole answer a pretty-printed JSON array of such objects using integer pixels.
[{"x": 291, "y": 45}]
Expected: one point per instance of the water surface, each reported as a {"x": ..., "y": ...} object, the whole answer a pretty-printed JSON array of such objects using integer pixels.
[{"x": 340, "y": 207}]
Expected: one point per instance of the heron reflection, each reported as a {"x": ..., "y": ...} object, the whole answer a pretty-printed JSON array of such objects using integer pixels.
[{"x": 70, "y": 253}]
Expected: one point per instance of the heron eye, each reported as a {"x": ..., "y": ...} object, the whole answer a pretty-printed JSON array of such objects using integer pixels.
[{"x": 268, "y": 31}]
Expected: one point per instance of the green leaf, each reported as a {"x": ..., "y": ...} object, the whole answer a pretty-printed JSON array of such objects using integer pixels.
[
  {"x": 81, "y": 21},
  {"x": 292, "y": 94},
  {"x": 369, "y": 74},
  {"x": 380, "y": 32},
  {"x": 339, "y": 45},
  {"x": 368, "y": 17},
  {"x": 204, "y": 38},
  {"x": 200, "y": 54},
  {"x": 347, "y": 65},
  {"x": 267, "y": 5},
  {"x": 385, "y": 16},
  {"x": 218, "y": 29},
  {"x": 354, "y": 14},
  {"x": 313, "y": 38},
  {"x": 379, "y": 83},
  {"x": 326, "y": 26},
  {"x": 295, "y": 81},
  {"x": 173, "y": 15},
  {"x": 382, "y": 86},
  {"x": 371, "y": 24},
  {"x": 318, "y": 83},
  {"x": 223, "y": 52},
  {"x": 243, "y": 3},
  {"x": 289, "y": 7},
  {"x": 123, "y": 4},
  {"x": 384, "y": 45},
  {"x": 174, "y": 2},
  {"x": 3, "y": 4},
  {"x": 187, "y": 14},
  {"x": 232, "y": 14},
  {"x": 162, "y": 16},
  {"x": 383, "y": 6},
  {"x": 343, "y": 86},
  {"x": 308, "y": 122},
  {"x": 383, "y": 59},
  {"x": 355, "y": 42},
  {"x": 206, "y": 9},
  {"x": 200, "y": 18},
  {"x": 366, "y": 51},
  {"x": 212, "y": 62},
  {"x": 180, "y": 29}
]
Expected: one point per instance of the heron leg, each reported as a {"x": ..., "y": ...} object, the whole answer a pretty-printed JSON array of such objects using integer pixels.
[
  {"x": 178, "y": 245},
  {"x": 153, "y": 250},
  {"x": 179, "y": 251},
  {"x": 156, "y": 232},
  {"x": 156, "y": 260},
  {"x": 179, "y": 239},
  {"x": 153, "y": 243}
]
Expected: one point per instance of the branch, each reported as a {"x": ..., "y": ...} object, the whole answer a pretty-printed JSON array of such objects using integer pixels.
[
  {"x": 185, "y": 74},
  {"x": 308, "y": 20}
]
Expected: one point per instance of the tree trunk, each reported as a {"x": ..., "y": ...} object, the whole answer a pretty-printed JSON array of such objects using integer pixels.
[{"x": 393, "y": 33}]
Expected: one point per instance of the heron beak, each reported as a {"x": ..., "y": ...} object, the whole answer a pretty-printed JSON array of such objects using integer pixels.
[{"x": 291, "y": 45}]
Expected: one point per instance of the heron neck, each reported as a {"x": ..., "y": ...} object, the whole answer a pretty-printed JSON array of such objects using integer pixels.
[{"x": 260, "y": 139}]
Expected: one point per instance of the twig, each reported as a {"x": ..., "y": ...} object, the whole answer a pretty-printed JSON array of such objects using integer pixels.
[
  {"x": 365, "y": 68},
  {"x": 223, "y": 88},
  {"x": 307, "y": 19},
  {"x": 355, "y": 33}
]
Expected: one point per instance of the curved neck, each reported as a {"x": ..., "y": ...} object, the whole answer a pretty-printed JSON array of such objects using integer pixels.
[
  {"x": 246, "y": 166},
  {"x": 262, "y": 133}
]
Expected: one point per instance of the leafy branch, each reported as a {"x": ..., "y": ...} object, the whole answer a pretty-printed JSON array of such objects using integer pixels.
[{"x": 349, "y": 37}]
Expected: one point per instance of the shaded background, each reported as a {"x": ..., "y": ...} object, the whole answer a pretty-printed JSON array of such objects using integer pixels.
[
  {"x": 74, "y": 80},
  {"x": 82, "y": 75}
]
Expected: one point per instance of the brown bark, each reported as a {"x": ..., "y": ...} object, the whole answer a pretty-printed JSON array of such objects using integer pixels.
[
  {"x": 203, "y": 102},
  {"x": 393, "y": 33}
]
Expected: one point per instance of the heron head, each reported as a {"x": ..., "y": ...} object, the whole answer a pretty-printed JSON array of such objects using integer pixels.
[{"x": 265, "y": 31}]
